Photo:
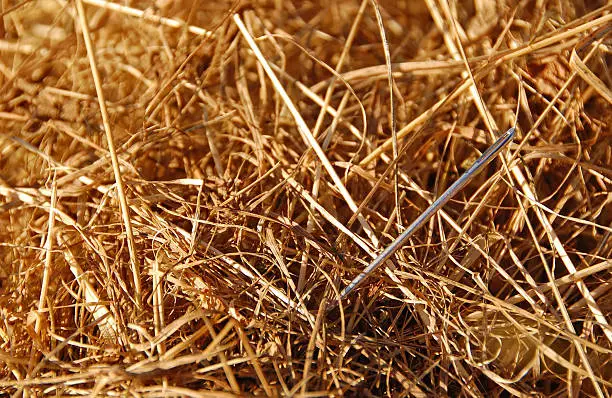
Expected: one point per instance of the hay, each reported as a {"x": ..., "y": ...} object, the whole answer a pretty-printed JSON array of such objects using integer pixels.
[{"x": 186, "y": 186}]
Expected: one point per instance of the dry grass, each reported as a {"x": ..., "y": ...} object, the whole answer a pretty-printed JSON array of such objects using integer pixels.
[{"x": 180, "y": 197}]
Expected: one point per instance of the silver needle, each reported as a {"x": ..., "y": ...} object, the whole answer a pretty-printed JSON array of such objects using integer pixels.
[{"x": 470, "y": 173}]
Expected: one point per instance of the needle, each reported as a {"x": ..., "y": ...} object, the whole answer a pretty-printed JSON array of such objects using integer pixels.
[{"x": 470, "y": 173}]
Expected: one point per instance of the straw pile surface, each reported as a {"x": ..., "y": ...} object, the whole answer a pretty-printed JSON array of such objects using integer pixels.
[{"x": 174, "y": 222}]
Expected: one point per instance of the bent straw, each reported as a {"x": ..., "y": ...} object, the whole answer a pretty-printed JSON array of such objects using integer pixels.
[{"x": 470, "y": 173}]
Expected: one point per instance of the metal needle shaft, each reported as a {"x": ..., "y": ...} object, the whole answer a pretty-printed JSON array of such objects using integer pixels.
[{"x": 470, "y": 173}]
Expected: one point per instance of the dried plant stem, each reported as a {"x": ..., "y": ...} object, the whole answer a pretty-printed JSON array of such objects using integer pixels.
[
  {"x": 147, "y": 16},
  {"x": 106, "y": 321},
  {"x": 312, "y": 343},
  {"x": 579, "y": 67},
  {"x": 113, "y": 154},
  {"x": 49, "y": 253}
]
